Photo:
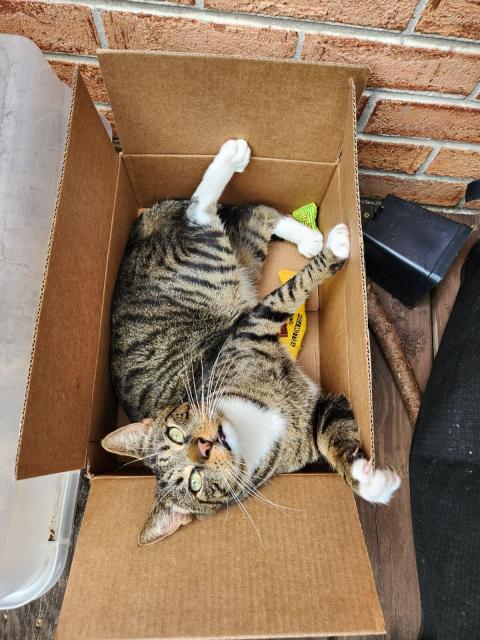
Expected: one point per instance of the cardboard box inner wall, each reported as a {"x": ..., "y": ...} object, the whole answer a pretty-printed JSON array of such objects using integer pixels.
[{"x": 173, "y": 112}]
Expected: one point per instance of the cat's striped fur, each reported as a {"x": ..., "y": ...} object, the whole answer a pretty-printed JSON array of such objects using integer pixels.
[{"x": 219, "y": 405}]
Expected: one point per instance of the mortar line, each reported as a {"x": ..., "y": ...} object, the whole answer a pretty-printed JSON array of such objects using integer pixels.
[
  {"x": 376, "y": 34},
  {"x": 421, "y": 142},
  {"x": 100, "y": 27},
  {"x": 200, "y": 4},
  {"x": 71, "y": 57},
  {"x": 104, "y": 106},
  {"x": 424, "y": 97},
  {"x": 475, "y": 92},
  {"x": 366, "y": 113},
  {"x": 298, "y": 49},
  {"x": 417, "y": 14},
  {"x": 428, "y": 161},
  {"x": 407, "y": 176},
  {"x": 459, "y": 97}
]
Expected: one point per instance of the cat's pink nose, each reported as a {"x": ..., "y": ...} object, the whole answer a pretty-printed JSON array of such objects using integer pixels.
[{"x": 204, "y": 447}]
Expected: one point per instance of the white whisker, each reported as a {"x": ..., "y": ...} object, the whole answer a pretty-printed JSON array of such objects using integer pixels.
[{"x": 242, "y": 507}]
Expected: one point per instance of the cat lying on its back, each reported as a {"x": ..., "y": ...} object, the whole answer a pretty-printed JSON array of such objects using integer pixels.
[{"x": 219, "y": 406}]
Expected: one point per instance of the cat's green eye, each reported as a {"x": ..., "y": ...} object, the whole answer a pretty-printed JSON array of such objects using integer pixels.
[
  {"x": 176, "y": 435},
  {"x": 195, "y": 481}
]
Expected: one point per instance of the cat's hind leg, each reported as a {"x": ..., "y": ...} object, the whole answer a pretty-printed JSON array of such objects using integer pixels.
[
  {"x": 337, "y": 438},
  {"x": 233, "y": 157}
]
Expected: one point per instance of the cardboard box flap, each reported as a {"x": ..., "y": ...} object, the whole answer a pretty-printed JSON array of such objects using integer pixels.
[
  {"x": 358, "y": 347},
  {"x": 58, "y": 400},
  {"x": 343, "y": 302},
  {"x": 166, "y": 103},
  {"x": 304, "y": 573}
]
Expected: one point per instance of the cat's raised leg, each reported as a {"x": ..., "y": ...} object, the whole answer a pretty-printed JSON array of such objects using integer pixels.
[
  {"x": 250, "y": 230},
  {"x": 267, "y": 316},
  {"x": 337, "y": 438},
  {"x": 233, "y": 157}
]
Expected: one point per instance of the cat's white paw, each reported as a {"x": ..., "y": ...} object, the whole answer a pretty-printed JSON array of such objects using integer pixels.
[
  {"x": 235, "y": 154},
  {"x": 375, "y": 486},
  {"x": 339, "y": 241},
  {"x": 312, "y": 244}
]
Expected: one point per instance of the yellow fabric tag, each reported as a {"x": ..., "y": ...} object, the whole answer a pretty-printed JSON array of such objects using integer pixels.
[{"x": 292, "y": 332}]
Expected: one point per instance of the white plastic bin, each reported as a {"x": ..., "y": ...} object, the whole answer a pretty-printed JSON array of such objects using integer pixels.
[{"x": 35, "y": 515}]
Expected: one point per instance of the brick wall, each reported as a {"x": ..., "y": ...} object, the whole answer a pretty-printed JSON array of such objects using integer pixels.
[{"x": 419, "y": 121}]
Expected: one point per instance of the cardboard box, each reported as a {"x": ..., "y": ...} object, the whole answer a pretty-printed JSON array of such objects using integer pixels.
[{"x": 307, "y": 572}]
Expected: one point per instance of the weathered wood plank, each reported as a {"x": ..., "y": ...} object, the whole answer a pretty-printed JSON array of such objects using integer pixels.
[{"x": 388, "y": 530}]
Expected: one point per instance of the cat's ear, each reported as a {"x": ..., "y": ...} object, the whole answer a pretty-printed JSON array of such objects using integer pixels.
[
  {"x": 129, "y": 440},
  {"x": 162, "y": 521}
]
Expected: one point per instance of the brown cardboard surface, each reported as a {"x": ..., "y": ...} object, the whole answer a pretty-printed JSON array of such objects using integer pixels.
[
  {"x": 283, "y": 255},
  {"x": 309, "y": 356},
  {"x": 175, "y": 103},
  {"x": 309, "y": 575},
  {"x": 59, "y": 396},
  {"x": 104, "y": 403},
  {"x": 283, "y": 184}
]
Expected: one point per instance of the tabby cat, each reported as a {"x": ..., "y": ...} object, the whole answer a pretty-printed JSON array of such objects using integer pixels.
[{"x": 218, "y": 406}]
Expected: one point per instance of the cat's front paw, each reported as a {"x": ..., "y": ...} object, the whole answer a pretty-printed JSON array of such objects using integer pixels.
[
  {"x": 375, "y": 486},
  {"x": 235, "y": 154},
  {"x": 339, "y": 241},
  {"x": 311, "y": 244}
]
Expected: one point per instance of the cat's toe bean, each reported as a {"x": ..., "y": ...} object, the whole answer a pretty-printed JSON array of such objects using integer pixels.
[
  {"x": 339, "y": 241},
  {"x": 236, "y": 154},
  {"x": 375, "y": 486},
  {"x": 311, "y": 245}
]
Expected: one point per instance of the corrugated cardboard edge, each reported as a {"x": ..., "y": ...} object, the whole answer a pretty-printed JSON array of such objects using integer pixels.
[
  {"x": 45, "y": 271},
  {"x": 362, "y": 270},
  {"x": 42, "y": 446}
]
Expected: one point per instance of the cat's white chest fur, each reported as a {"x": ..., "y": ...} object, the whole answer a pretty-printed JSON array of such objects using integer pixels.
[{"x": 250, "y": 430}]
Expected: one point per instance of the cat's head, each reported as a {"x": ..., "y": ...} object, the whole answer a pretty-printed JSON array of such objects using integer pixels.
[{"x": 195, "y": 459}]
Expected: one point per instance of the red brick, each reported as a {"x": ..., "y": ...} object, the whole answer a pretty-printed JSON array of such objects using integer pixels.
[
  {"x": 423, "y": 191},
  {"x": 389, "y": 156},
  {"x": 369, "y": 13},
  {"x": 91, "y": 74},
  {"x": 459, "y": 18},
  {"x": 399, "y": 67},
  {"x": 456, "y": 163},
  {"x": 142, "y": 31},
  {"x": 422, "y": 120},
  {"x": 53, "y": 27}
]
